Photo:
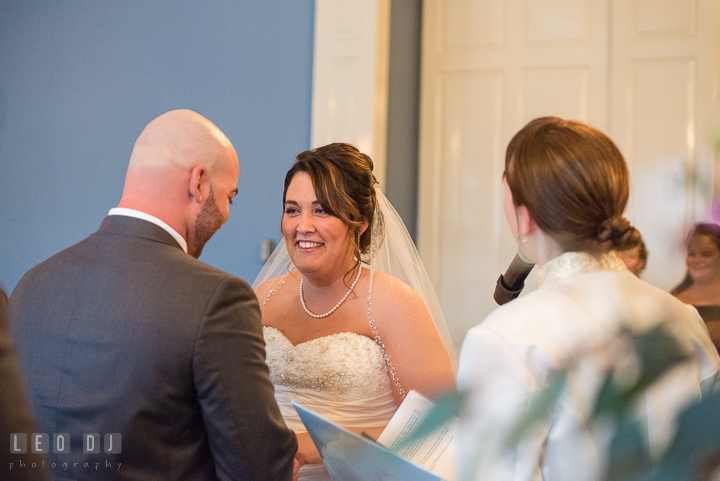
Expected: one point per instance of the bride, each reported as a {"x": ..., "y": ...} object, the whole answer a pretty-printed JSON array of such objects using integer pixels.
[{"x": 350, "y": 319}]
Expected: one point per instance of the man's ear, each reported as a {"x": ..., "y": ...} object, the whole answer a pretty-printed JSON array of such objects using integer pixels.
[{"x": 199, "y": 187}]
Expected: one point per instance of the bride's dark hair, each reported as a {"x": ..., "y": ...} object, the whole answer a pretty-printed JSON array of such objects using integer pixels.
[
  {"x": 573, "y": 181},
  {"x": 344, "y": 184}
]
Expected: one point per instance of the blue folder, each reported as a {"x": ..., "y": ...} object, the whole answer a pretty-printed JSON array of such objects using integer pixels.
[{"x": 349, "y": 457}]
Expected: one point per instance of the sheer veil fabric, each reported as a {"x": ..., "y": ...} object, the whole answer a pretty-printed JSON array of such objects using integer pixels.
[{"x": 392, "y": 252}]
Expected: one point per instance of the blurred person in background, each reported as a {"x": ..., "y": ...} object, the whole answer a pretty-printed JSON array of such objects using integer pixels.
[
  {"x": 634, "y": 255},
  {"x": 701, "y": 285}
]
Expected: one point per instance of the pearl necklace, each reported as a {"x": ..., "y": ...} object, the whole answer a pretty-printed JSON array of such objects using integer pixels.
[{"x": 320, "y": 316}]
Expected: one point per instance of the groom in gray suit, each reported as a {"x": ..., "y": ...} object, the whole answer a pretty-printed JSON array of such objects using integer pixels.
[
  {"x": 16, "y": 420},
  {"x": 142, "y": 362}
]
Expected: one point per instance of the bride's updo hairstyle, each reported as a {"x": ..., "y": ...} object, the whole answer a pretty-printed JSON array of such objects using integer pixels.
[
  {"x": 573, "y": 181},
  {"x": 344, "y": 184}
]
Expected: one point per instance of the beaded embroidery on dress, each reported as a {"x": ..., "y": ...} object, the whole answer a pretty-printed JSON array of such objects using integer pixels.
[
  {"x": 338, "y": 363},
  {"x": 571, "y": 264},
  {"x": 343, "y": 377}
]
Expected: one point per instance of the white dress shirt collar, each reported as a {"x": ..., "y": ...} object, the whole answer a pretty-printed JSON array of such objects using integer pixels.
[{"x": 142, "y": 215}]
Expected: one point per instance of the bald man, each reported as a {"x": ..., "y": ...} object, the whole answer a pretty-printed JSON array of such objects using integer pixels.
[{"x": 133, "y": 347}]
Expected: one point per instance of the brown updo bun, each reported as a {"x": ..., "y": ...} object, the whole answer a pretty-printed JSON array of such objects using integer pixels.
[
  {"x": 618, "y": 233},
  {"x": 572, "y": 179}
]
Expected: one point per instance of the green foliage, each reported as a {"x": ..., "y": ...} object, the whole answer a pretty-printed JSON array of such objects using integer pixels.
[
  {"x": 540, "y": 409},
  {"x": 698, "y": 435},
  {"x": 695, "y": 449},
  {"x": 691, "y": 455},
  {"x": 628, "y": 452},
  {"x": 629, "y": 456},
  {"x": 657, "y": 351}
]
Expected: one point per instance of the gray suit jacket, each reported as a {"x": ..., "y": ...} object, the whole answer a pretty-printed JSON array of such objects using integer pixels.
[
  {"x": 126, "y": 333},
  {"x": 15, "y": 414}
]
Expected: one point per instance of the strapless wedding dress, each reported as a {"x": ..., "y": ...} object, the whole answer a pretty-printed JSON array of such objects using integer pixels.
[{"x": 343, "y": 377}]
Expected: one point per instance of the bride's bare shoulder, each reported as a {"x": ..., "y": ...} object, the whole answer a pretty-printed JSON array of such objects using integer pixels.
[
  {"x": 387, "y": 288},
  {"x": 399, "y": 310}
]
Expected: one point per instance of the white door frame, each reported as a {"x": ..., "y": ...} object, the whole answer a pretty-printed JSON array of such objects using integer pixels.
[{"x": 350, "y": 76}]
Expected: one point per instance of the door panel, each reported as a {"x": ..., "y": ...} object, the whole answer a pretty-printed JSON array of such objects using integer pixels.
[
  {"x": 663, "y": 112},
  {"x": 643, "y": 71}
]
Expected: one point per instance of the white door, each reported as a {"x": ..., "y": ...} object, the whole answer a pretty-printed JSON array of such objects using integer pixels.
[
  {"x": 350, "y": 76},
  {"x": 665, "y": 114},
  {"x": 489, "y": 66}
]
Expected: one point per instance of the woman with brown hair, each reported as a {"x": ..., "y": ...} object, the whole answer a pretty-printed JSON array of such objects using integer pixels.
[
  {"x": 566, "y": 186},
  {"x": 701, "y": 285},
  {"x": 350, "y": 319}
]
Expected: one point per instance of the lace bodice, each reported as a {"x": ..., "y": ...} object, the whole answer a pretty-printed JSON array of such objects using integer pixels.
[
  {"x": 320, "y": 345},
  {"x": 337, "y": 363}
]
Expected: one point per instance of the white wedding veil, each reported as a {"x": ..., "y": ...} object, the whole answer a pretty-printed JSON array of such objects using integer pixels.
[{"x": 393, "y": 252}]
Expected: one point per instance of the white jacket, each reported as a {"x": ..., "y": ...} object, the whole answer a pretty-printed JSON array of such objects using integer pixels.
[{"x": 576, "y": 311}]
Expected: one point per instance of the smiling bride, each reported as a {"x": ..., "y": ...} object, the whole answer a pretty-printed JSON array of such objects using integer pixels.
[{"x": 351, "y": 321}]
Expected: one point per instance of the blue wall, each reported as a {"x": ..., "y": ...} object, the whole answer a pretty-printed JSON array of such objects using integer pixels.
[{"x": 79, "y": 80}]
